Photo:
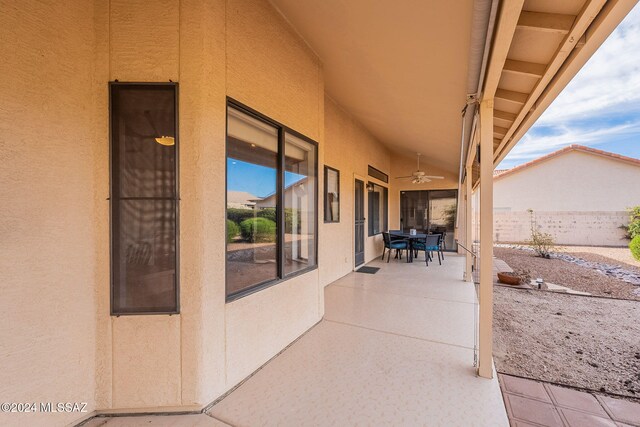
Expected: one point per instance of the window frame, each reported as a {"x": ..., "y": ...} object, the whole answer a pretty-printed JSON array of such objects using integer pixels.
[
  {"x": 377, "y": 174},
  {"x": 280, "y": 194},
  {"x": 385, "y": 220},
  {"x": 176, "y": 198},
  {"x": 327, "y": 207}
]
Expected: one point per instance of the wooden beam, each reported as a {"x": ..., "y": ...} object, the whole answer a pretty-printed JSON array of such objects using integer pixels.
[
  {"x": 485, "y": 333},
  {"x": 524, "y": 68},
  {"x": 511, "y": 96},
  {"x": 503, "y": 36},
  {"x": 503, "y": 115},
  {"x": 548, "y": 22},
  {"x": 566, "y": 51},
  {"x": 500, "y": 132}
]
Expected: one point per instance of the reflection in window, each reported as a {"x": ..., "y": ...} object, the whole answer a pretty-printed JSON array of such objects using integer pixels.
[
  {"x": 143, "y": 198},
  {"x": 331, "y": 194},
  {"x": 271, "y": 202},
  {"x": 252, "y": 164},
  {"x": 377, "y": 209},
  {"x": 299, "y": 204}
]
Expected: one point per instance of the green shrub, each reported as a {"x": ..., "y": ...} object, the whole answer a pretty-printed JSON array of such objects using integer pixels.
[
  {"x": 635, "y": 247},
  {"x": 269, "y": 213},
  {"x": 238, "y": 215},
  {"x": 258, "y": 230},
  {"x": 633, "y": 229},
  {"x": 542, "y": 243},
  {"x": 232, "y": 230},
  {"x": 289, "y": 214}
]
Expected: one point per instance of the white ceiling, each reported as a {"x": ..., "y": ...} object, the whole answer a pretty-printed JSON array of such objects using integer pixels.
[{"x": 400, "y": 67}]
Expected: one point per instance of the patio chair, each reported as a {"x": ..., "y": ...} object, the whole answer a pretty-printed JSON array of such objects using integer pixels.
[
  {"x": 429, "y": 245},
  {"x": 394, "y": 242},
  {"x": 442, "y": 244}
]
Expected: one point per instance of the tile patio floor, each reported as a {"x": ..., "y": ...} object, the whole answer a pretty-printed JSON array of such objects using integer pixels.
[
  {"x": 395, "y": 349},
  {"x": 534, "y": 403}
]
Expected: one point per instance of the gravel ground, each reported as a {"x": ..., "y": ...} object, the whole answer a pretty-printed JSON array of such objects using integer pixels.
[
  {"x": 569, "y": 274},
  {"x": 620, "y": 256},
  {"x": 584, "y": 342}
]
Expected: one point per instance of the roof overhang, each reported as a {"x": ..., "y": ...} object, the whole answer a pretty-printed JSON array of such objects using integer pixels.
[
  {"x": 401, "y": 69},
  {"x": 539, "y": 46},
  {"x": 404, "y": 70}
]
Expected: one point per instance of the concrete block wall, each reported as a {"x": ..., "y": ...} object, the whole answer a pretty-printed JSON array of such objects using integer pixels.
[{"x": 567, "y": 228}]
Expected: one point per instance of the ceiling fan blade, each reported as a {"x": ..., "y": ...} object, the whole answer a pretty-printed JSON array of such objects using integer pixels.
[
  {"x": 401, "y": 177},
  {"x": 434, "y": 177}
]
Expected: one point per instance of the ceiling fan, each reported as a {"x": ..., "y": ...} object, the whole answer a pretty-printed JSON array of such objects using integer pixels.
[{"x": 419, "y": 177}]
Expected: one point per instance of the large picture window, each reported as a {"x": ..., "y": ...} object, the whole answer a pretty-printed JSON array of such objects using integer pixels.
[
  {"x": 144, "y": 198},
  {"x": 378, "y": 210},
  {"x": 271, "y": 202}
]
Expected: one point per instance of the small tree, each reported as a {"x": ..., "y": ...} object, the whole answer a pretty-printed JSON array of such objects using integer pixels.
[{"x": 542, "y": 243}]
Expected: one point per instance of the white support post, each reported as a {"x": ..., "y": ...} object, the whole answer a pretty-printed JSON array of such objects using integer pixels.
[
  {"x": 468, "y": 216},
  {"x": 485, "y": 368}
]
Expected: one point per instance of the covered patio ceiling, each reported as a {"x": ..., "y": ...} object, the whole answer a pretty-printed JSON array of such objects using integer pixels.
[
  {"x": 400, "y": 68},
  {"x": 404, "y": 68}
]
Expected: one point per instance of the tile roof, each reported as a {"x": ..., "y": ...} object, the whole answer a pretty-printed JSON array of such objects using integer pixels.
[{"x": 499, "y": 173}]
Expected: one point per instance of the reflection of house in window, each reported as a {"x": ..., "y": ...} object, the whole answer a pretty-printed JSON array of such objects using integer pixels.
[
  {"x": 241, "y": 200},
  {"x": 271, "y": 202}
]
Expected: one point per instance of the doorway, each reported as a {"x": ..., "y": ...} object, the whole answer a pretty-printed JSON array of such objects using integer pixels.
[
  {"x": 430, "y": 211},
  {"x": 358, "y": 222}
]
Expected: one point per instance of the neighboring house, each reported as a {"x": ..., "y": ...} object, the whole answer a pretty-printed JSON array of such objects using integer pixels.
[
  {"x": 578, "y": 194},
  {"x": 297, "y": 188},
  {"x": 241, "y": 200}
]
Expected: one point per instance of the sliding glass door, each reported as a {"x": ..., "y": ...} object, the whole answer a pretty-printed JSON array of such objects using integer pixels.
[{"x": 430, "y": 211}]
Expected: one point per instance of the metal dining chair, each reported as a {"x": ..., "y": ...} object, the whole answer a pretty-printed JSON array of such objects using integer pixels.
[
  {"x": 394, "y": 242},
  {"x": 429, "y": 245}
]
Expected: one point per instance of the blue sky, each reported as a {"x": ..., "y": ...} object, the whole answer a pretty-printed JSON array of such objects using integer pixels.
[
  {"x": 255, "y": 179},
  {"x": 599, "y": 108}
]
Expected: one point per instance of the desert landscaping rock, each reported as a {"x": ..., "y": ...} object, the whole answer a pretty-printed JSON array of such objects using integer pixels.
[
  {"x": 581, "y": 277},
  {"x": 593, "y": 344}
]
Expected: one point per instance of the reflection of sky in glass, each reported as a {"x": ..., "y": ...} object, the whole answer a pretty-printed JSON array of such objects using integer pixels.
[{"x": 255, "y": 179}]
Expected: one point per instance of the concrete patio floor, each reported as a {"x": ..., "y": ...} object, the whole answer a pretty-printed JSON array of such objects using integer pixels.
[{"x": 395, "y": 348}]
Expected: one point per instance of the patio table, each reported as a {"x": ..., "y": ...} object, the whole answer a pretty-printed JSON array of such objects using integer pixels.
[{"x": 411, "y": 238}]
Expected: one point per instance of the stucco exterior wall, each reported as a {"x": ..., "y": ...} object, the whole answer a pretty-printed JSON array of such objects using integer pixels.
[
  {"x": 137, "y": 361},
  {"x": 47, "y": 250},
  {"x": 573, "y": 181},
  {"x": 567, "y": 228},
  {"x": 54, "y": 146},
  {"x": 350, "y": 149},
  {"x": 406, "y": 165}
]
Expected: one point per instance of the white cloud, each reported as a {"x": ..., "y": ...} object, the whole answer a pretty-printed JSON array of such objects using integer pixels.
[
  {"x": 531, "y": 147},
  {"x": 610, "y": 81}
]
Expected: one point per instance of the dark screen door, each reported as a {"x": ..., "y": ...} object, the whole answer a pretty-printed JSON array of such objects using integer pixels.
[{"x": 359, "y": 222}]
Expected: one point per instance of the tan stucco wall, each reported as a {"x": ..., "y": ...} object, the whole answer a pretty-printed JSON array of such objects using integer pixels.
[
  {"x": 47, "y": 249},
  {"x": 406, "y": 165},
  {"x": 214, "y": 49},
  {"x": 54, "y": 146},
  {"x": 138, "y": 361},
  {"x": 573, "y": 181},
  {"x": 350, "y": 148}
]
